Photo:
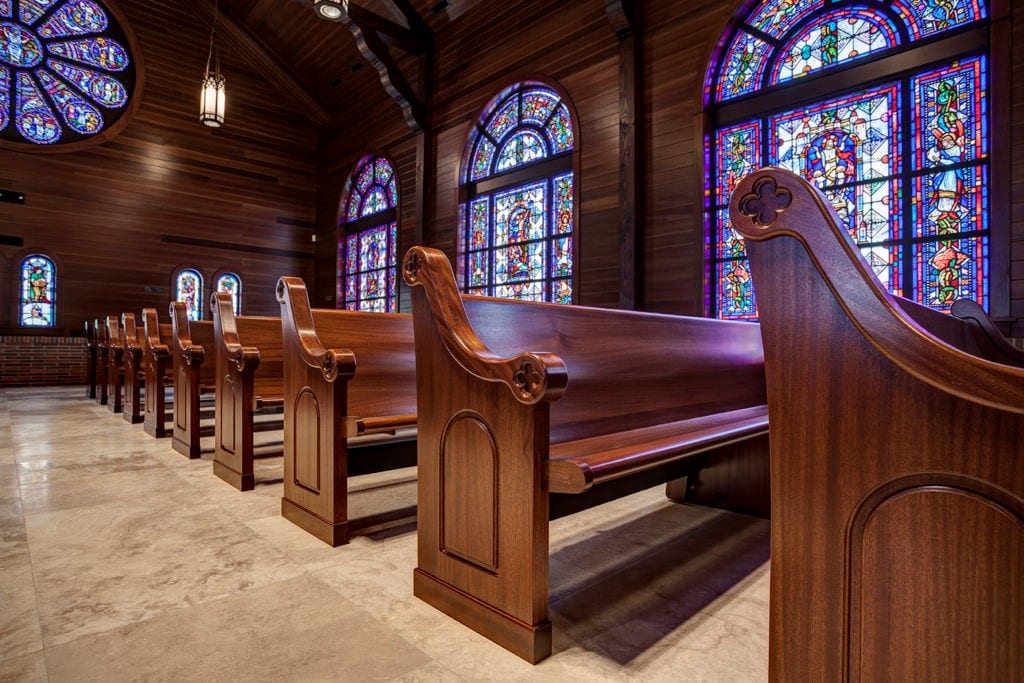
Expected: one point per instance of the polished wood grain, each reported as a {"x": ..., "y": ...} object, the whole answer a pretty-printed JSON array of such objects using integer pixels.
[
  {"x": 158, "y": 370},
  {"x": 349, "y": 384},
  {"x": 115, "y": 364},
  {"x": 102, "y": 359},
  {"x": 249, "y": 377},
  {"x": 92, "y": 357},
  {"x": 194, "y": 377},
  {"x": 518, "y": 400},
  {"x": 134, "y": 363},
  {"x": 897, "y": 463}
]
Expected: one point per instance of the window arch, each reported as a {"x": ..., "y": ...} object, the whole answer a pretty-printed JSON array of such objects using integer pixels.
[
  {"x": 369, "y": 244},
  {"x": 232, "y": 284},
  {"x": 66, "y": 71},
  {"x": 517, "y": 236},
  {"x": 188, "y": 289},
  {"x": 891, "y": 124},
  {"x": 38, "y": 300}
]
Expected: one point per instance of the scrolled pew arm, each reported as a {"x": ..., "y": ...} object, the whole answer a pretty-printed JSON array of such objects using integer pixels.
[
  {"x": 333, "y": 363},
  {"x": 189, "y": 352},
  {"x": 240, "y": 355},
  {"x": 532, "y": 377},
  {"x": 774, "y": 202}
]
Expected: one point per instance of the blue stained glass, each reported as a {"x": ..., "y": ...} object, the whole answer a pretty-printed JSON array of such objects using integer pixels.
[
  {"x": 18, "y": 47},
  {"x": 5, "y": 8},
  {"x": 232, "y": 284},
  {"x": 928, "y": 17},
  {"x": 80, "y": 116},
  {"x": 526, "y": 291},
  {"x": 561, "y": 257},
  {"x": 104, "y": 53},
  {"x": 951, "y": 202},
  {"x": 392, "y": 192},
  {"x": 375, "y": 201},
  {"x": 77, "y": 17},
  {"x": 559, "y": 130},
  {"x": 743, "y": 68},
  {"x": 105, "y": 90},
  {"x": 382, "y": 170},
  {"x": 738, "y": 153},
  {"x": 735, "y": 294},
  {"x": 38, "y": 292},
  {"x": 365, "y": 177},
  {"x": 538, "y": 106},
  {"x": 479, "y": 223},
  {"x": 519, "y": 262},
  {"x": 563, "y": 292},
  {"x": 947, "y": 270},
  {"x": 777, "y": 17},
  {"x": 30, "y": 10},
  {"x": 33, "y": 116},
  {"x": 525, "y": 146},
  {"x": 504, "y": 120},
  {"x": 728, "y": 242},
  {"x": 5, "y": 96},
  {"x": 478, "y": 268},
  {"x": 951, "y": 122},
  {"x": 367, "y": 256},
  {"x": 481, "y": 165},
  {"x": 189, "y": 291},
  {"x": 841, "y": 36},
  {"x": 519, "y": 214},
  {"x": 562, "y": 214}
]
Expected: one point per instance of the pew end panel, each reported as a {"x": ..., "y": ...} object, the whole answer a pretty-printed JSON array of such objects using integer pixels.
[
  {"x": 249, "y": 379},
  {"x": 134, "y": 361},
  {"x": 331, "y": 410},
  {"x": 115, "y": 364},
  {"x": 520, "y": 400},
  {"x": 897, "y": 469},
  {"x": 91, "y": 358},
  {"x": 193, "y": 375},
  {"x": 102, "y": 360},
  {"x": 158, "y": 371}
]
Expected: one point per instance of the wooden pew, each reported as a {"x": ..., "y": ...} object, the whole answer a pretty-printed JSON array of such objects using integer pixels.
[
  {"x": 134, "y": 360},
  {"x": 349, "y": 384},
  {"x": 249, "y": 380},
  {"x": 115, "y": 364},
  {"x": 158, "y": 370},
  {"x": 193, "y": 377},
  {"x": 519, "y": 400},
  {"x": 897, "y": 465},
  {"x": 102, "y": 360},
  {"x": 91, "y": 358}
]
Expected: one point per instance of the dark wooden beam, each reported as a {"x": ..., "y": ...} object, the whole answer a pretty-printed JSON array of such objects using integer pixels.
[
  {"x": 624, "y": 16},
  {"x": 373, "y": 34},
  {"x": 250, "y": 48}
]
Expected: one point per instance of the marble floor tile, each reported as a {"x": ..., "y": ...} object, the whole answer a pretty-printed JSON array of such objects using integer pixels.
[
  {"x": 315, "y": 634},
  {"x": 19, "y": 621},
  {"x": 133, "y": 562},
  {"x": 7, "y": 454},
  {"x": 9, "y": 489},
  {"x": 13, "y": 539},
  {"x": 25, "y": 669},
  {"x": 66, "y": 492}
]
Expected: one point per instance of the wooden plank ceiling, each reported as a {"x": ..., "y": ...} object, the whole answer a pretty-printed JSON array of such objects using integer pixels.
[{"x": 313, "y": 61}]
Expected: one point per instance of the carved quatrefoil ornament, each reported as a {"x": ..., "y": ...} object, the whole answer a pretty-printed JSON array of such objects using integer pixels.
[{"x": 766, "y": 202}]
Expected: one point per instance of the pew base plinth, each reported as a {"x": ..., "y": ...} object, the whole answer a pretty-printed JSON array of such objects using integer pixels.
[
  {"x": 186, "y": 448},
  {"x": 155, "y": 429},
  {"x": 131, "y": 418},
  {"x": 530, "y": 642},
  {"x": 333, "y": 534},
  {"x": 242, "y": 482}
]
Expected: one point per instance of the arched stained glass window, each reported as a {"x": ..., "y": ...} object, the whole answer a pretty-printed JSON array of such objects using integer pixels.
[
  {"x": 903, "y": 155},
  {"x": 37, "y": 305},
  {"x": 517, "y": 219},
  {"x": 369, "y": 246},
  {"x": 188, "y": 289},
  {"x": 65, "y": 70},
  {"x": 232, "y": 284}
]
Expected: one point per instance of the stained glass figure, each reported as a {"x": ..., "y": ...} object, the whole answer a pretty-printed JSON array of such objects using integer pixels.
[
  {"x": 517, "y": 239},
  {"x": 232, "y": 284},
  {"x": 367, "y": 280},
  {"x": 37, "y": 305},
  {"x": 188, "y": 289},
  {"x": 921, "y": 221},
  {"x": 57, "y": 64}
]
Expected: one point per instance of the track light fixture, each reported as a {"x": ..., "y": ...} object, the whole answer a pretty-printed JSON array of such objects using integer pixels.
[{"x": 331, "y": 10}]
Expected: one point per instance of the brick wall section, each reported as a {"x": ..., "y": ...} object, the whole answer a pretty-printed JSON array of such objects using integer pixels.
[{"x": 28, "y": 360}]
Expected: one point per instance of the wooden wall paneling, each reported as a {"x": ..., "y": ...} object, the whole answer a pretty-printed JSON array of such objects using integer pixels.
[{"x": 103, "y": 210}]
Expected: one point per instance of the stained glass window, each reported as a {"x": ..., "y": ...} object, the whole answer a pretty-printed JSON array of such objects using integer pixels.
[
  {"x": 65, "y": 70},
  {"x": 902, "y": 157},
  {"x": 232, "y": 284},
  {"x": 188, "y": 289},
  {"x": 517, "y": 223},
  {"x": 37, "y": 304},
  {"x": 369, "y": 246}
]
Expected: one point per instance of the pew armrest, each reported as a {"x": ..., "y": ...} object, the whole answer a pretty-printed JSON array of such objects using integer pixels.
[
  {"x": 234, "y": 351},
  {"x": 297, "y": 321},
  {"x": 532, "y": 377}
]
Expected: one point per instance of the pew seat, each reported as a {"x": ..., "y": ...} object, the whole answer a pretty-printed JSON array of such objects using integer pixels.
[
  {"x": 528, "y": 410},
  {"x": 897, "y": 464}
]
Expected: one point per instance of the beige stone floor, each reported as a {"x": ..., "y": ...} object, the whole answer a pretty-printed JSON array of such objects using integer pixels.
[{"x": 122, "y": 560}]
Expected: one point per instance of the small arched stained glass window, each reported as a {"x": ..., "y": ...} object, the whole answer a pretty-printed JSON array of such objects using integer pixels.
[
  {"x": 65, "y": 70},
  {"x": 38, "y": 292},
  {"x": 369, "y": 246},
  {"x": 517, "y": 230},
  {"x": 232, "y": 284},
  {"x": 188, "y": 289},
  {"x": 897, "y": 142}
]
